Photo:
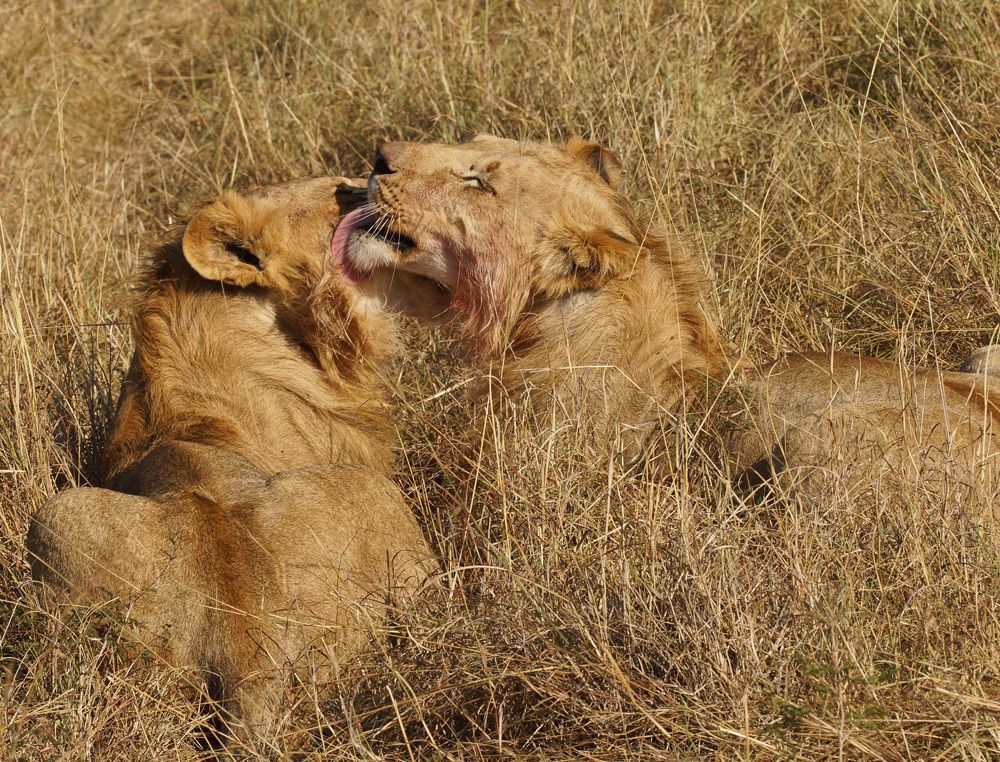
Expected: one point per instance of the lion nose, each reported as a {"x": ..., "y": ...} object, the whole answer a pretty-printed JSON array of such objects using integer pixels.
[{"x": 382, "y": 165}]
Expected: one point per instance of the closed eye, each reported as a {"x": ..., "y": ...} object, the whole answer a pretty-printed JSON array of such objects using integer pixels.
[{"x": 479, "y": 183}]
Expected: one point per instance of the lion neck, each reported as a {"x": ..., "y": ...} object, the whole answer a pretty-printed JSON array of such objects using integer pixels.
[
  {"x": 230, "y": 369},
  {"x": 621, "y": 355}
]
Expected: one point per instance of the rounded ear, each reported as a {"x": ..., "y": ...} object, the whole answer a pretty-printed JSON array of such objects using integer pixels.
[
  {"x": 598, "y": 158},
  {"x": 579, "y": 260},
  {"x": 215, "y": 243}
]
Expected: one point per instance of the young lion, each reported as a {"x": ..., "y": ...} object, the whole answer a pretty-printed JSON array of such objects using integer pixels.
[
  {"x": 586, "y": 310},
  {"x": 247, "y": 514},
  {"x": 591, "y": 312}
]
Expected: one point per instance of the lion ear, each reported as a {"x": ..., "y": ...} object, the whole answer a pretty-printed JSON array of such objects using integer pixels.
[
  {"x": 215, "y": 243},
  {"x": 588, "y": 259},
  {"x": 600, "y": 159}
]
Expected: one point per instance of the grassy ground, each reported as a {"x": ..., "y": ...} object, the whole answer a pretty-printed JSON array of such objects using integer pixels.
[{"x": 837, "y": 165}]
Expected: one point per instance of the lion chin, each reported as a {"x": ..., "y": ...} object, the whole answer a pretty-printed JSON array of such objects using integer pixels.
[
  {"x": 593, "y": 316},
  {"x": 247, "y": 518}
]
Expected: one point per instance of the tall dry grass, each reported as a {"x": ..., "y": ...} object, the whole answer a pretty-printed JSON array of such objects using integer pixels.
[{"x": 836, "y": 164}]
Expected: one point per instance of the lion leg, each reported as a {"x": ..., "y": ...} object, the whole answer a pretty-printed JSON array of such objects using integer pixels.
[
  {"x": 984, "y": 361},
  {"x": 841, "y": 417},
  {"x": 172, "y": 569},
  {"x": 300, "y": 566},
  {"x": 96, "y": 544},
  {"x": 853, "y": 448}
]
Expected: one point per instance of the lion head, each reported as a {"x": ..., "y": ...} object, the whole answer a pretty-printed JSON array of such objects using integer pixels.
[
  {"x": 498, "y": 223},
  {"x": 547, "y": 266},
  {"x": 277, "y": 240}
]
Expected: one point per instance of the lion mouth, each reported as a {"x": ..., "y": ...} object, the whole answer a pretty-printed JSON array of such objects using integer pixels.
[
  {"x": 392, "y": 237},
  {"x": 357, "y": 242},
  {"x": 365, "y": 244}
]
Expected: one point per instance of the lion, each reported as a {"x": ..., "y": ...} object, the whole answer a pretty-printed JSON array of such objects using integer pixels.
[
  {"x": 983, "y": 361},
  {"x": 535, "y": 248},
  {"x": 588, "y": 311},
  {"x": 246, "y": 515}
]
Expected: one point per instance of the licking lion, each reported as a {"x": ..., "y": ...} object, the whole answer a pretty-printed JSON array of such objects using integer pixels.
[
  {"x": 247, "y": 517},
  {"x": 588, "y": 312}
]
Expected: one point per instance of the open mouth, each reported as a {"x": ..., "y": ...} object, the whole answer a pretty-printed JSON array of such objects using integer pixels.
[
  {"x": 392, "y": 237},
  {"x": 387, "y": 265},
  {"x": 364, "y": 244},
  {"x": 361, "y": 243}
]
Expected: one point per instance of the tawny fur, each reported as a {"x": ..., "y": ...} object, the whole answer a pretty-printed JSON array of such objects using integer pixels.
[
  {"x": 592, "y": 316},
  {"x": 817, "y": 417},
  {"x": 984, "y": 361},
  {"x": 246, "y": 517},
  {"x": 579, "y": 306}
]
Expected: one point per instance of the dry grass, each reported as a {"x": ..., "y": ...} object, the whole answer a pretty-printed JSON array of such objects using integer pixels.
[{"x": 838, "y": 165}]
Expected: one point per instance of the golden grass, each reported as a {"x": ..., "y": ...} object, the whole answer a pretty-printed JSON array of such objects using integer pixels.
[{"x": 837, "y": 165}]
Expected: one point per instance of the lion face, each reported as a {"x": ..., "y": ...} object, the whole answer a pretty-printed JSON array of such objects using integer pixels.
[
  {"x": 278, "y": 239},
  {"x": 498, "y": 223}
]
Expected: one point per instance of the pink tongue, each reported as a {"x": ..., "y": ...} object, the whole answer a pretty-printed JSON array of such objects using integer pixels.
[{"x": 338, "y": 245}]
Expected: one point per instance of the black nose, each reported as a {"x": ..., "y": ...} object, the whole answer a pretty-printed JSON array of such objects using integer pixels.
[{"x": 381, "y": 166}]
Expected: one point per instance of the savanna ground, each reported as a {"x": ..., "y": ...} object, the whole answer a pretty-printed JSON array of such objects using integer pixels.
[{"x": 836, "y": 164}]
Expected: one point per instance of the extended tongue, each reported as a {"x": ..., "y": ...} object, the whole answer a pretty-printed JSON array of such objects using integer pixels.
[{"x": 338, "y": 244}]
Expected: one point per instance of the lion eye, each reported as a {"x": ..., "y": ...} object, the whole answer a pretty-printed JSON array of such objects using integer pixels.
[{"x": 479, "y": 183}]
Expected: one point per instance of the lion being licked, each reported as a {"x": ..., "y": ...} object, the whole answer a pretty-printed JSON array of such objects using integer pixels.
[
  {"x": 593, "y": 320},
  {"x": 247, "y": 516}
]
